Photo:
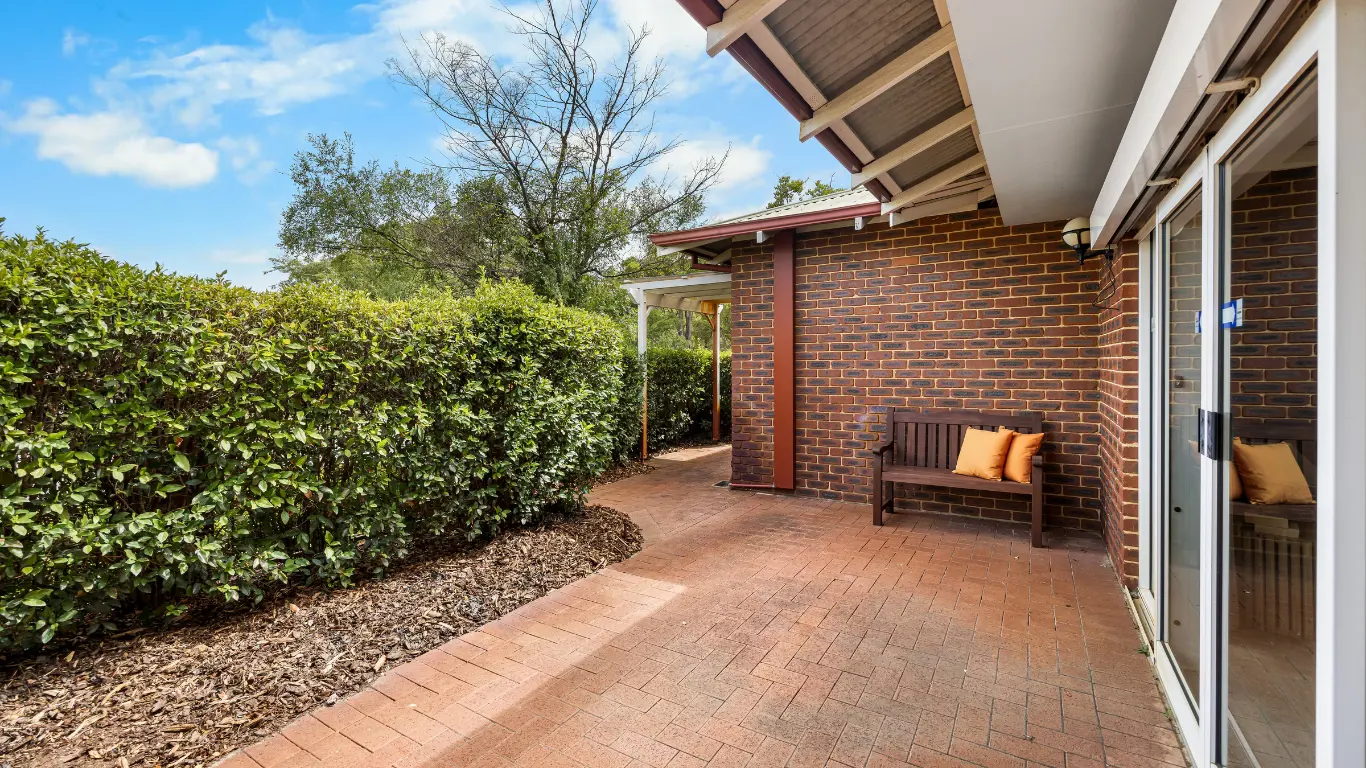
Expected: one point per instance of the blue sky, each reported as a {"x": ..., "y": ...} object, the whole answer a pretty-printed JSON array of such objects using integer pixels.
[{"x": 160, "y": 132}]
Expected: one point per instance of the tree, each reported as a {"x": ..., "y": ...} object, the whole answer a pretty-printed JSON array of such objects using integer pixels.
[
  {"x": 571, "y": 141},
  {"x": 389, "y": 230},
  {"x": 789, "y": 190}
]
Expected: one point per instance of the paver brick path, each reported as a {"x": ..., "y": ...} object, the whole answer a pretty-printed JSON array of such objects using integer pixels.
[{"x": 760, "y": 630}]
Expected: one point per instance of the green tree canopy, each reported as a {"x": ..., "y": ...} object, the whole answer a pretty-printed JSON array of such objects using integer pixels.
[{"x": 789, "y": 190}]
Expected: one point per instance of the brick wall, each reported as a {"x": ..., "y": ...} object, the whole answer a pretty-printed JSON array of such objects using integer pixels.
[
  {"x": 1118, "y": 389},
  {"x": 946, "y": 312},
  {"x": 1275, "y": 272}
]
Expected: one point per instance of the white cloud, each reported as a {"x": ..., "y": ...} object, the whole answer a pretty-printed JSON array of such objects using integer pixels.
[
  {"x": 746, "y": 165},
  {"x": 744, "y": 182},
  {"x": 249, "y": 267},
  {"x": 282, "y": 67},
  {"x": 678, "y": 39},
  {"x": 239, "y": 257},
  {"x": 245, "y": 156},
  {"x": 114, "y": 144},
  {"x": 673, "y": 33},
  {"x": 73, "y": 39}
]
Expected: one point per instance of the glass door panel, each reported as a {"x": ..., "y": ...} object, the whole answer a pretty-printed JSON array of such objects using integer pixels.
[
  {"x": 1271, "y": 367},
  {"x": 1184, "y": 283}
]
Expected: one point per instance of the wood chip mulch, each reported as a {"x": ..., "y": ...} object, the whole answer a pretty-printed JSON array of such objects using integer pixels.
[
  {"x": 623, "y": 471},
  {"x": 189, "y": 695}
]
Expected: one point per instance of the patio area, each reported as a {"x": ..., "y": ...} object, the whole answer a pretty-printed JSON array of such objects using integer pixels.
[{"x": 764, "y": 630}]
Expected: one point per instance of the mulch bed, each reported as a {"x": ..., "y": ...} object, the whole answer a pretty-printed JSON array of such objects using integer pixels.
[
  {"x": 623, "y": 471},
  {"x": 189, "y": 695}
]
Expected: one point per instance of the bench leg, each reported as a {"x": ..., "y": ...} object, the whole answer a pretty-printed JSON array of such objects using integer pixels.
[
  {"x": 1036, "y": 510},
  {"x": 877, "y": 494}
]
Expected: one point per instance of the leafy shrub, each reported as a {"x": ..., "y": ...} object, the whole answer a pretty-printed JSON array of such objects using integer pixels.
[
  {"x": 680, "y": 399},
  {"x": 164, "y": 436},
  {"x": 626, "y": 419}
]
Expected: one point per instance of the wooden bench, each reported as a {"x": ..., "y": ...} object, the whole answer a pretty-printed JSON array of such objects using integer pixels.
[
  {"x": 923, "y": 450},
  {"x": 1274, "y": 546}
]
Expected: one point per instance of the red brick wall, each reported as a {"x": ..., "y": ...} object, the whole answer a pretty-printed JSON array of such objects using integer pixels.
[
  {"x": 947, "y": 312},
  {"x": 1275, "y": 272},
  {"x": 1118, "y": 389}
]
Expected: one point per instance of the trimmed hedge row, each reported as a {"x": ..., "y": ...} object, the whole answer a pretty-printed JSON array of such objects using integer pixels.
[
  {"x": 164, "y": 436},
  {"x": 680, "y": 399}
]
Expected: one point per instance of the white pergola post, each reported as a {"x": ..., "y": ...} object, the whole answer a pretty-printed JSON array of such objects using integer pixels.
[
  {"x": 642, "y": 341},
  {"x": 699, "y": 292}
]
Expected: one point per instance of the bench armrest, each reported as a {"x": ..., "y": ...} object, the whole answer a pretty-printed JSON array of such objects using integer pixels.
[
  {"x": 1038, "y": 460},
  {"x": 884, "y": 448}
]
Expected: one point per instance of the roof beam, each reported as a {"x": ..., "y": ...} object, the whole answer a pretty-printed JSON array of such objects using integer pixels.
[
  {"x": 738, "y": 20},
  {"x": 966, "y": 201},
  {"x": 942, "y": 179},
  {"x": 898, "y": 69},
  {"x": 916, "y": 145}
]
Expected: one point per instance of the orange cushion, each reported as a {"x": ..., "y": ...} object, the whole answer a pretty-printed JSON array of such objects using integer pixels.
[
  {"x": 1235, "y": 482},
  {"x": 1020, "y": 458},
  {"x": 983, "y": 453},
  {"x": 1270, "y": 474}
]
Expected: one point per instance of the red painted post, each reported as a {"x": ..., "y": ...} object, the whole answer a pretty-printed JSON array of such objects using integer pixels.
[{"x": 784, "y": 380}]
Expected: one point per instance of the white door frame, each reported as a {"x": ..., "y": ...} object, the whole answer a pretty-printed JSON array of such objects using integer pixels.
[{"x": 1334, "y": 40}]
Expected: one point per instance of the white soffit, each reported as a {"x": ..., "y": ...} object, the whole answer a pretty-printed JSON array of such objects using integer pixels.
[{"x": 1053, "y": 83}]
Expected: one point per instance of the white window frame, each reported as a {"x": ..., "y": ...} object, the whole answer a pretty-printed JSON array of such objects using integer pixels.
[{"x": 1334, "y": 40}]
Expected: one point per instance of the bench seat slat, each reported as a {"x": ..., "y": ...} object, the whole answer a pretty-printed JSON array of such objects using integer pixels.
[
  {"x": 945, "y": 478},
  {"x": 1303, "y": 513}
]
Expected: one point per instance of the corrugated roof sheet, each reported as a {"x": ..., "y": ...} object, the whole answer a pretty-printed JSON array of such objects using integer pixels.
[
  {"x": 841, "y": 199},
  {"x": 908, "y": 108},
  {"x": 957, "y": 147},
  {"x": 837, "y": 44}
]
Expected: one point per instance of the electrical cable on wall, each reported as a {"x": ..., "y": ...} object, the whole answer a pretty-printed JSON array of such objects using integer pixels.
[{"x": 1076, "y": 234}]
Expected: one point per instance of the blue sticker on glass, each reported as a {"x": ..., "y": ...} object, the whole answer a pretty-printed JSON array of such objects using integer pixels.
[
  {"x": 1232, "y": 314},
  {"x": 1199, "y": 320}
]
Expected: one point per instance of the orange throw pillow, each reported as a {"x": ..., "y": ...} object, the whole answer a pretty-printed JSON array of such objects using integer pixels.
[
  {"x": 983, "y": 453},
  {"x": 1270, "y": 474},
  {"x": 1020, "y": 458}
]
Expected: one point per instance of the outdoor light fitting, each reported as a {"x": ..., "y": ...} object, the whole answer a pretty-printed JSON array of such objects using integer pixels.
[{"x": 1076, "y": 234}]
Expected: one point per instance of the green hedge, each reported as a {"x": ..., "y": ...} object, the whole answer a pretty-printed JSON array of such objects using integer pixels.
[
  {"x": 680, "y": 399},
  {"x": 167, "y": 436}
]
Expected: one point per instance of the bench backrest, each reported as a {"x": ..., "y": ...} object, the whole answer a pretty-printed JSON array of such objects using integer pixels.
[
  {"x": 932, "y": 439},
  {"x": 1302, "y": 437}
]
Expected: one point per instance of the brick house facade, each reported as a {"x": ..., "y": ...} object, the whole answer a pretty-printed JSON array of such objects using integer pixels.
[
  {"x": 961, "y": 311},
  {"x": 954, "y": 311}
]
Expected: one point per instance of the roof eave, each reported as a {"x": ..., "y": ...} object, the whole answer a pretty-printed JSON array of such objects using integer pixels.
[{"x": 772, "y": 224}]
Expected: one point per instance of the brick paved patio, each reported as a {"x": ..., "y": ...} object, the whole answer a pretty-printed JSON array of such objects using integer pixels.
[{"x": 759, "y": 630}]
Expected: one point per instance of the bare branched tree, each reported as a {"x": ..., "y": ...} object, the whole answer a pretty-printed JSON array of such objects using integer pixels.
[{"x": 573, "y": 142}]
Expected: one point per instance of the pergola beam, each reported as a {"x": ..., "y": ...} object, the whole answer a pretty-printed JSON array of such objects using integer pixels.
[
  {"x": 737, "y": 21},
  {"x": 898, "y": 69},
  {"x": 916, "y": 145},
  {"x": 936, "y": 182},
  {"x": 963, "y": 201}
]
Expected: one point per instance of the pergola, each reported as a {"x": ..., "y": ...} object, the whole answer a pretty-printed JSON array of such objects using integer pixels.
[{"x": 703, "y": 293}]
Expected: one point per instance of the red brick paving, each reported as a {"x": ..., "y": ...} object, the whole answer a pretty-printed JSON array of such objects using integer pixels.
[{"x": 765, "y": 631}]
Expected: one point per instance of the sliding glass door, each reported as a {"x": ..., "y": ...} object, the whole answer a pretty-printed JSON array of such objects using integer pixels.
[
  {"x": 1182, "y": 245},
  {"x": 1232, "y": 445}
]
